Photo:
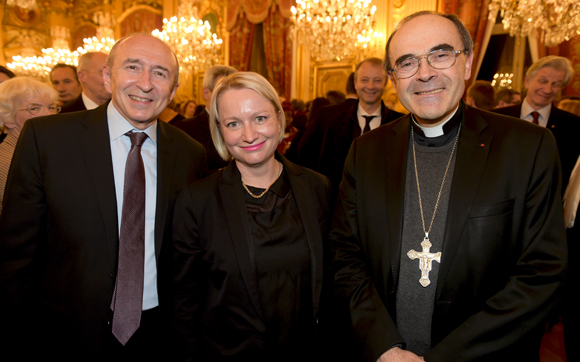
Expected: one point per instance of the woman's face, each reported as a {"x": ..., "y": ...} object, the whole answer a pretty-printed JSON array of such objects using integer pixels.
[
  {"x": 249, "y": 125},
  {"x": 40, "y": 104},
  {"x": 189, "y": 109}
]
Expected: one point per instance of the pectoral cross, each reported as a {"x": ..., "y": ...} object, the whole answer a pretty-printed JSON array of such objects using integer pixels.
[{"x": 425, "y": 260}]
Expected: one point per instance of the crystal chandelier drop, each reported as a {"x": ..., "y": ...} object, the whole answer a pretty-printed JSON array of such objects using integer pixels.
[
  {"x": 105, "y": 38},
  {"x": 196, "y": 47},
  {"x": 502, "y": 80},
  {"x": 559, "y": 20},
  {"x": 333, "y": 27},
  {"x": 23, "y": 4},
  {"x": 60, "y": 51},
  {"x": 29, "y": 65}
]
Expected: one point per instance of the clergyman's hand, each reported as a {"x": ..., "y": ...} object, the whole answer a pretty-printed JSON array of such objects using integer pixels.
[{"x": 397, "y": 354}]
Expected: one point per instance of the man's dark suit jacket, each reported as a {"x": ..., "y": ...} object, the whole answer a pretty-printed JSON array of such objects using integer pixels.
[
  {"x": 309, "y": 144},
  {"x": 198, "y": 128},
  {"x": 75, "y": 105},
  {"x": 343, "y": 128},
  {"x": 504, "y": 250},
  {"x": 566, "y": 127},
  {"x": 60, "y": 233},
  {"x": 218, "y": 305}
]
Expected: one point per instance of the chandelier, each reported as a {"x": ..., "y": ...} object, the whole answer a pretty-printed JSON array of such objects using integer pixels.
[
  {"x": 60, "y": 51},
  {"x": 333, "y": 27},
  {"x": 559, "y": 20},
  {"x": 105, "y": 38},
  {"x": 39, "y": 67},
  {"x": 196, "y": 47},
  {"x": 502, "y": 80},
  {"x": 29, "y": 66},
  {"x": 23, "y": 4}
]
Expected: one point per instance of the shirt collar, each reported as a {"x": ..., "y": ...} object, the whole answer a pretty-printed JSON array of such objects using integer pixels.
[
  {"x": 89, "y": 104},
  {"x": 118, "y": 125},
  {"x": 527, "y": 109},
  {"x": 361, "y": 112}
]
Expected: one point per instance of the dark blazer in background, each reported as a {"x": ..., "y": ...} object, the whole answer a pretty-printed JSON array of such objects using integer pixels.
[
  {"x": 218, "y": 306},
  {"x": 75, "y": 105},
  {"x": 343, "y": 128},
  {"x": 504, "y": 249},
  {"x": 198, "y": 128},
  {"x": 59, "y": 238},
  {"x": 566, "y": 128},
  {"x": 309, "y": 144}
]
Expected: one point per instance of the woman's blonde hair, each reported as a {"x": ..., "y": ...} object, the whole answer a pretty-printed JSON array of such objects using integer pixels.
[
  {"x": 241, "y": 80},
  {"x": 12, "y": 90}
]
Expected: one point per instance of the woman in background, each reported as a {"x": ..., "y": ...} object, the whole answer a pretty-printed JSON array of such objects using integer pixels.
[
  {"x": 21, "y": 98},
  {"x": 249, "y": 238}
]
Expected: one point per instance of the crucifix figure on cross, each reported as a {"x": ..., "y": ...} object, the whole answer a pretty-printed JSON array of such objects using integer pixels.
[{"x": 425, "y": 260}]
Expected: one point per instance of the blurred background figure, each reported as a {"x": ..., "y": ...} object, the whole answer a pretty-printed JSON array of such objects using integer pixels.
[
  {"x": 5, "y": 74},
  {"x": 507, "y": 97},
  {"x": 65, "y": 81},
  {"x": 570, "y": 105},
  {"x": 188, "y": 108},
  {"x": 335, "y": 97},
  {"x": 90, "y": 75},
  {"x": 21, "y": 98},
  {"x": 249, "y": 239},
  {"x": 481, "y": 95}
]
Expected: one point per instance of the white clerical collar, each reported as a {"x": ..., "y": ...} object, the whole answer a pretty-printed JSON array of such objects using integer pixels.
[{"x": 436, "y": 131}]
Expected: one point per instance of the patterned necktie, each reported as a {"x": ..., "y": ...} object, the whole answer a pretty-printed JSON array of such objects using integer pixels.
[
  {"x": 536, "y": 117},
  {"x": 368, "y": 124},
  {"x": 127, "y": 300}
]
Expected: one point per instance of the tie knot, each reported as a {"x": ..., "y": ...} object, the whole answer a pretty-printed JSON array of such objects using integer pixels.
[
  {"x": 137, "y": 138},
  {"x": 369, "y": 118}
]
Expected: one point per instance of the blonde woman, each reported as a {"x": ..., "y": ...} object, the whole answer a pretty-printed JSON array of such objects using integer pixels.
[{"x": 249, "y": 238}]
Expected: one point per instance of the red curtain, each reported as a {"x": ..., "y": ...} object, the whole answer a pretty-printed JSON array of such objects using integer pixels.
[
  {"x": 278, "y": 51},
  {"x": 474, "y": 14},
  {"x": 275, "y": 18},
  {"x": 241, "y": 35}
]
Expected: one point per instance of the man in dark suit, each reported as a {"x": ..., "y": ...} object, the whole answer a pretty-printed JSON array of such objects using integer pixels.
[
  {"x": 306, "y": 145},
  {"x": 65, "y": 81},
  {"x": 86, "y": 252},
  {"x": 369, "y": 112},
  {"x": 90, "y": 75},
  {"x": 198, "y": 126},
  {"x": 447, "y": 238},
  {"x": 544, "y": 81}
]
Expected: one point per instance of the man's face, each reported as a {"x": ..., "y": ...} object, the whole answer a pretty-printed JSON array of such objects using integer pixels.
[
  {"x": 544, "y": 87},
  {"x": 370, "y": 83},
  {"x": 431, "y": 95},
  {"x": 66, "y": 84},
  {"x": 92, "y": 79},
  {"x": 141, "y": 79}
]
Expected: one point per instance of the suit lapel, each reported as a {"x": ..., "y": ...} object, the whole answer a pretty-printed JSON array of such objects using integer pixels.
[
  {"x": 302, "y": 195},
  {"x": 166, "y": 156},
  {"x": 95, "y": 146},
  {"x": 393, "y": 192},
  {"x": 472, "y": 151},
  {"x": 234, "y": 205}
]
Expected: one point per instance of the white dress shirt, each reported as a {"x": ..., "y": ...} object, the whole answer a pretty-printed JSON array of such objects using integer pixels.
[
  {"x": 526, "y": 113},
  {"x": 120, "y": 146}
]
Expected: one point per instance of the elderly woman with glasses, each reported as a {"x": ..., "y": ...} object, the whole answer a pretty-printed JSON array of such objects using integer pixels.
[
  {"x": 249, "y": 238},
  {"x": 21, "y": 98}
]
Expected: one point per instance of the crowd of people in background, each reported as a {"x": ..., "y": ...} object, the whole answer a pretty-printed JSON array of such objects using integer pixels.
[{"x": 138, "y": 227}]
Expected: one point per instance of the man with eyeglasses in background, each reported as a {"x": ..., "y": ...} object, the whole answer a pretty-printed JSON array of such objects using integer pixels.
[
  {"x": 447, "y": 241},
  {"x": 90, "y": 75}
]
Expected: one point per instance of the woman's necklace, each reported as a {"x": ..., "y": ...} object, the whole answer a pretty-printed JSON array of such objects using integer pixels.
[{"x": 268, "y": 188}]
